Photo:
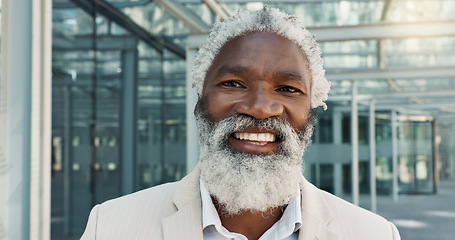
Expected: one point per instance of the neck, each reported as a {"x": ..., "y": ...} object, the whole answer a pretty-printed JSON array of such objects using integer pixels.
[{"x": 250, "y": 224}]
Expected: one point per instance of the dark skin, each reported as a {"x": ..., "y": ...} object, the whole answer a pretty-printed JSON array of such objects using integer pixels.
[
  {"x": 251, "y": 225},
  {"x": 261, "y": 75}
]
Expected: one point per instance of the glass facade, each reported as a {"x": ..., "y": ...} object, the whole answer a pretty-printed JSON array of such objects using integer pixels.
[
  {"x": 415, "y": 163},
  {"x": 161, "y": 140},
  {"x": 324, "y": 13},
  {"x": 332, "y": 147},
  {"x": 112, "y": 90},
  {"x": 119, "y": 99}
]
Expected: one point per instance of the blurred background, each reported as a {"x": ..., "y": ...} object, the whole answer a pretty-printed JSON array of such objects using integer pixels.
[{"x": 96, "y": 103}]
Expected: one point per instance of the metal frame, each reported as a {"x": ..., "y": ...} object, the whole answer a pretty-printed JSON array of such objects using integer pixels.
[
  {"x": 394, "y": 156},
  {"x": 189, "y": 18},
  {"x": 386, "y": 9},
  {"x": 394, "y": 95},
  {"x": 401, "y": 73},
  {"x": 372, "y": 146},
  {"x": 354, "y": 145},
  {"x": 220, "y": 10},
  {"x": 123, "y": 20},
  {"x": 86, "y": 42},
  {"x": 385, "y": 31}
]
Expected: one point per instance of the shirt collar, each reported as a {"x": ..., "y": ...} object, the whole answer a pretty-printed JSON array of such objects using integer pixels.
[
  {"x": 209, "y": 213},
  {"x": 290, "y": 221}
]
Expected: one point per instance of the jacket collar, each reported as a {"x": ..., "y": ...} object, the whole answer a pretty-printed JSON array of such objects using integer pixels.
[
  {"x": 316, "y": 214},
  {"x": 186, "y": 222}
]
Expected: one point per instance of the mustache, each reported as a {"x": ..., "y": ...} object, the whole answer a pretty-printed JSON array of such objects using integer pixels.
[
  {"x": 240, "y": 122},
  {"x": 215, "y": 134}
]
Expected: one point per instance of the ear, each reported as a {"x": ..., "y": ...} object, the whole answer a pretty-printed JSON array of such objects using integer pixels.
[{"x": 197, "y": 106}]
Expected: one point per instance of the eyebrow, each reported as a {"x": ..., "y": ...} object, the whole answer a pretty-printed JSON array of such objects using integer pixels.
[{"x": 239, "y": 70}]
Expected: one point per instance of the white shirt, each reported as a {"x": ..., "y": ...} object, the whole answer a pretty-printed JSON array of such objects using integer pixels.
[{"x": 284, "y": 229}]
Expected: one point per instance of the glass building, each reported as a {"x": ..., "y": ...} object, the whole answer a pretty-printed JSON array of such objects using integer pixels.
[{"x": 95, "y": 101}]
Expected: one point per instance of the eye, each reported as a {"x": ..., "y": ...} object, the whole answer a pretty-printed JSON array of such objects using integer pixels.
[
  {"x": 288, "y": 89},
  {"x": 231, "y": 84}
]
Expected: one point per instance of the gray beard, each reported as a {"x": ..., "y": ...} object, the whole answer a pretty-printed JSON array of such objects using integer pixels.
[{"x": 249, "y": 182}]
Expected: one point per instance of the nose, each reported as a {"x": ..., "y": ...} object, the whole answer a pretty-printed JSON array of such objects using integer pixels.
[{"x": 260, "y": 104}]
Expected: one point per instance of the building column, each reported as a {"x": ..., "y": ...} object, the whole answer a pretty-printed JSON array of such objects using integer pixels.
[
  {"x": 372, "y": 131},
  {"x": 192, "y": 144},
  {"x": 128, "y": 118},
  {"x": 354, "y": 145},
  {"x": 337, "y": 166},
  {"x": 451, "y": 151},
  {"x": 394, "y": 156},
  {"x": 435, "y": 149},
  {"x": 25, "y": 119}
]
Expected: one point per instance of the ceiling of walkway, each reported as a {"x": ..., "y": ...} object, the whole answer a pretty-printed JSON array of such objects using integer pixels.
[{"x": 401, "y": 53}]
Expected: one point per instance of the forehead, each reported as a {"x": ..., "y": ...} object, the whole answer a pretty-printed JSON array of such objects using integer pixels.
[{"x": 273, "y": 51}]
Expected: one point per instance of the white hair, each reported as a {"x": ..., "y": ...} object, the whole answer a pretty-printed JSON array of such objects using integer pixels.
[{"x": 271, "y": 20}]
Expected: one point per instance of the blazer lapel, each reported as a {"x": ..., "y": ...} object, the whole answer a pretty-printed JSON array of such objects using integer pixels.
[
  {"x": 316, "y": 215},
  {"x": 186, "y": 223}
]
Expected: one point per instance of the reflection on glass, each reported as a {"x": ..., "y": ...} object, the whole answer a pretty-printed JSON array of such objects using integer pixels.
[
  {"x": 328, "y": 13},
  {"x": 203, "y": 11},
  {"x": 91, "y": 66},
  {"x": 419, "y": 52},
  {"x": 158, "y": 22},
  {"x": 421, "y": 10},
  {"x": 415, "y": 164}
]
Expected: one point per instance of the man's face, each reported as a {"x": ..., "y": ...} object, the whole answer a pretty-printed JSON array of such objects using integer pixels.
[
  {"x": 261, "y": 75},
  {"x": 254, "y": 123}
]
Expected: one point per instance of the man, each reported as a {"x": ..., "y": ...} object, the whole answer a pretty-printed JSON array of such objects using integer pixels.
[{"x": 258, "y": 77}]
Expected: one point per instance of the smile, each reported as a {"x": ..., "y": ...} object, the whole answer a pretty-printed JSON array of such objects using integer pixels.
[{"x": 256, "y": 138}]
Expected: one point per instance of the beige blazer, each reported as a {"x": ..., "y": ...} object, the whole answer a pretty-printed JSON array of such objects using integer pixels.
[{"x": 173, "y": 212}]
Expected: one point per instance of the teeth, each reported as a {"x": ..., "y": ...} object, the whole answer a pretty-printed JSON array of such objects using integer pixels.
[
  {"x": 253, "y": 137},
  {"x": 260, "y": 137}
]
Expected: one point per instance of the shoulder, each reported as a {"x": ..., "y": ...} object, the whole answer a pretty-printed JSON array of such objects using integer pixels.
[
  {"x": 150, "y": 198},
  {"x": 160, "y": 200},
  {"x": 139, "y": 213},
  {"x": 341, "y": 218},
  {"x": 357, "y": 222}
]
